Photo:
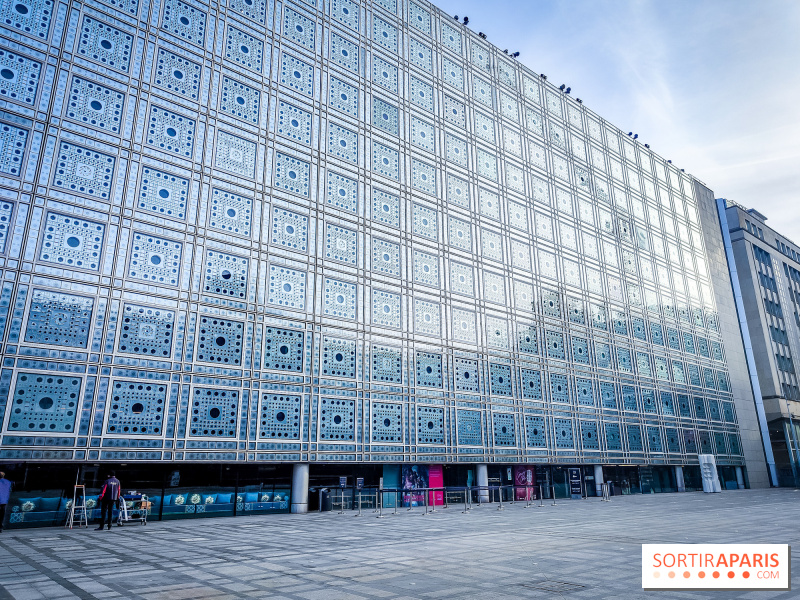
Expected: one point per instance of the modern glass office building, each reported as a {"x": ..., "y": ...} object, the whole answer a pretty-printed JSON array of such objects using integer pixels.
[{"x": 353, "y": 235}]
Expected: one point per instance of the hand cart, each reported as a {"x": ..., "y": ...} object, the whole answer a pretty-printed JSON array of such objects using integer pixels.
[{"x": 137, "y": 511}]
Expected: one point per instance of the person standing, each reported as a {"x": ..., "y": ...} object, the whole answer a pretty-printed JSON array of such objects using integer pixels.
[
  {"x": 5, "y": 493},
  {"x": 109, "y": 496}
]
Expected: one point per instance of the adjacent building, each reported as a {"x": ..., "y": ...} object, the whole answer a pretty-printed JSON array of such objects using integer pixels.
[{"x": 243, "y": 238}]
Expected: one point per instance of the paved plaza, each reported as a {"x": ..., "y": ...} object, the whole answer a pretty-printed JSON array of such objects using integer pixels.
[{"x": 576, "y": 549}]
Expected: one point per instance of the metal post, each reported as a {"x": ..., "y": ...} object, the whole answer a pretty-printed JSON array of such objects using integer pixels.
[
  {"x": 500, "y": 495},
  {"x": 541, "y": 498},
  {"x": 379, "y": 498},
  {"x": 341, "y": 502},
  {"x": 396, "y": 502},
  {"x": 553, "y": 491},
  {"x": 359, "y": 503},
  {"x": 465, "y": 502},
  {"x": 425, "y": 501},
  {"x": 434, "y": 499}
]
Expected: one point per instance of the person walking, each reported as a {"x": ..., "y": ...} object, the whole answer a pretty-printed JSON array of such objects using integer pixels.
[
  {"x": 109, "y": 496},
  {"x": 5, "y": 493}
]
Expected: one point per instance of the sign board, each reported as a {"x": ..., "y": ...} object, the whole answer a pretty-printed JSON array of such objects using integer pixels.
[
  {"x": 575, "y": 483},
  {"x": 343, "y": 482},
  {"x": 360, "y": 482}
]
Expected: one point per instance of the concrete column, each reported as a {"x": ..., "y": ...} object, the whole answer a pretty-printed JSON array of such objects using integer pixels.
[
  {"x": 300, "y": 488},
  {"x": 482, "y": 478},
  {"x": 679, "y": 479},
  {"x": 598, "y": 479},
  {"x": 739, "y": 478}
]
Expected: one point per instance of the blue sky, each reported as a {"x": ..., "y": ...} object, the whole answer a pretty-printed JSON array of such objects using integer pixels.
[{"x": 713, "y": 85}]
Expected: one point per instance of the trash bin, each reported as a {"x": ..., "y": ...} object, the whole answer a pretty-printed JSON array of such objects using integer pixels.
[{"x": 325, "y": 503}]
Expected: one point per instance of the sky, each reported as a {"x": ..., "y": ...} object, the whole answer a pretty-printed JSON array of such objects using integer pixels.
[{"x": 713, "y": 85}]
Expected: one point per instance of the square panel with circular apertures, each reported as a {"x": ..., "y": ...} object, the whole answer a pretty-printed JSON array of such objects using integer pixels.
[
  {"x": 559, "y": 388},
  {"x": 230, "y": 212},
  {"x": 576, "y": 311},
  {"x": 385, "y": 309},
  {"x": 58, "y": 319},
  {"x": 501, "y": 380},
  {"x": 287, "y": 287},
  {"x": 733, "y": 443},
  {"x": 613, "y": 436},
  {"x": 482, "y": 92},
  {"x": 709, "y": 379},
  {"x": 339, "y": 299},
  {"x": 338, "y": 357},
  {"x": 283, "y": 349},
  {"x": 84, "y": 171},
  {"x": 419, "y": 18},
  {"x": 420, "y": 55},
  {"x": 184, "y": 21},
  {"x": 624, "y": 360},
  {"x": 534, "y": 121},
  {"x": 390, "y": 5},
  {"x": 95, "y": 105},
  {"x": 469, "y": 429},
  {"x": 385, "y": 257},
  {"x": 457, "y": 191},
  {"x": 424, "y": 221},
  {"x": 385, "y": 161},
  {"x": 689, "y": 441},
  {"x": 426, "y": 268},
  {"x": 494, "y": 288},
  {"x": 387, "y": 364},
  {"x": 346, "y": 12},
  {"x": 239, "y": 100},
  {"x": 344, "y": 53},
  {"x": 220, "y": 341},
  {"x": 716, "y": 351},
  {"x": 342, "y": 143},
  {"x": 464, "y": 326},
  {"x": 6, "y": 210},
  {"x": 684, "y": 405},
  {"x": 634, "y": 435},
  {"x": 289, "y": 229},
  {"x": 528, "y": 339},
  {"x": 451, "y": 38},
  {"x": 423, "y": 134},
  {"x": 649, "y": 404},
  {"x": 213, "y": 413},
  {"x": 523, "y": 296},
  {"x": 487, "y": 164},
  {"x": 294, "y": 123},
  {"x": 427, "y": 318},
  {"x": 387, "y": 422},
  {"x": 343, "y": 97},
  {"x": 580, "y": 350},
  {"x": 515, "y": 177},
  {"x": 608, "y": 395},
  {"x": 492, "y": 245},
  {"x": 466, "y": 375},
  {"x": 423, "y": 177},
  {"x": 384, "y": 33},
  {"x": 72, "y": 242},
  {"x": 384, "y": 74},
  {"x": 292, "y": 175},
  {"x": 509, "y": 107},
  {"x": 30, "y": 16},
  {"x": 235, "y": 154},
  {"x": 454, "y": 112},
  {"x": 12, "y": 148},
  {"x": 225, "y": 275},
  {"x": 341, "y": 244},
  {"x": 460, "y": 234},
  {"x": 279, "y": 417},
  {"x": 298, "y": 28},
  {"x": 254, "y": 10},
  {"x": 428, "y": 368},
  {"x": 177, "y": 74},
  {"x": 590, "y": 439},
  {"x": 504, "y": 428},
  {"x": 480, "y": 57},
  {"x": 661, "y": 368},
  {"x": 146, "y": 331},
  {"x": 584, "y": 391},
  {"x": 629, "y": 397},
  {"x": 385, "y": 116},
  {"x": 456, "y": 150},
  {"x": 44, "y": 402},
  {"x": 243, "y": 49},
  {"x": 163, "y": 193},
  {"x": 297, "y": 75},
  {"x": 155, "y": 259},
  {"x": 430, "y": 424},
  {"x": 341, "y": 192},
  {"x": 421, "y": 94},
  {"x": 728, "y": 412},
  {"x": 171, "y": 132},
  {"x": 105, "y": 44},
  {"x": 337, "y": 419},
  {"x": 562, "y": 431},
  {"x": 602, "y": 354},
  {"x": 555, "y": 344},
  {"x": 484, "y": 127},
  {"x": 137, "y": 408},
  {"x": 535, "y": 431}
]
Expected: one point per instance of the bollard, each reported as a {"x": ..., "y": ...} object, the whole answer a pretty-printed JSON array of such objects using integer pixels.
[
  {"x": 341, "y": 502},
  {"x": 553, "y": 491},
  {"x": 396, "y": 502},
  {"x": 425, "y": 502},
  {"x": 433, "y": 510},
  {"x": 541, "y": 498},
  {"x": 379, "y": 497},
  {"x": 359, "y": 504},
  {"x": 500, "y": 496},
  {"x": 465, "y": 502}
]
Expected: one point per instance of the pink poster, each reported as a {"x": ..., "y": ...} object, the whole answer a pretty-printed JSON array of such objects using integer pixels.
[
  {"x": 436, "y": 480},
  {"x": 524, "y": 482}
]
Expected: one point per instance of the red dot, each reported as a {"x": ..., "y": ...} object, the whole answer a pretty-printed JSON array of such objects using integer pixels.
[
  {"x": 746, "y": 574},
  {"x": 686, "y": 574},
  {"x": 716, "y": 574},
  {"x": 701, "y": 574},
  {"x": 731, "y": 574}
]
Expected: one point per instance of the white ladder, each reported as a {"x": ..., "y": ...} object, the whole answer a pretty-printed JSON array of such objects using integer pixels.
[{"x": 78, "y": 510}]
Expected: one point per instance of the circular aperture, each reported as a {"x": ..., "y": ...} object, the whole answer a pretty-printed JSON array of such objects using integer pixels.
[
  {"x": 284, "y": 349},
  {"x": 106, "y": 44},
  {"x": 95, "y": 105},
  {"x": 226, "y": 274},
  {"x": 214, "y": 413},
  {"x": 45, "y": 403},
  {"x": 220, "y": 341},
  {"x": 287, "y": 287},
  {"x": 295, "y": 123},
  {"x": 155, "y": 259},
  {"x": 164, "y": 193},
  {"x": 337, "y": 419},
  {"x": 231, "y": 213},
  {"x": 21, "y": 9},
  {"x": 137, "y": 408},
  {"x": 289, "y": 229},
  {"x": 387, "y": 422},
  {"x": 339, "y": 357},
  {"x": 280, "y": 416},
  {"x": 73, "y": 242},
  {"x": 171, "y": 132},
  {"x": 184, "y": 21},
  {"x": 239, "y": 100},
  {"x": 340, "y": 299},
  {"x": 430, "y": 424}
]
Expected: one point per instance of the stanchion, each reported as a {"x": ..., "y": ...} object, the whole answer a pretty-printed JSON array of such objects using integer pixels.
[
  {"x": 376, "y": 502},
  {"x": 379, "y": 498},
  {"x": 341, "y": 502},
  {"x": 500, "y": 496},
  {"x": 359, "y": 504},
  {"x": 553, "y": 491},
  {"x": 396, "y": 501},
  {"x": 466, "y": 509},
  {"x": 541, "y": 498},
  {"x": 433, "y": 510},
  {"x": 425, "y": 502}
]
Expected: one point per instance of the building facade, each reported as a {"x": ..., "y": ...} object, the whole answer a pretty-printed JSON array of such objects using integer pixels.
[
  {"x": 766, "y": 266},
  {"x": 338, "y": 233}
]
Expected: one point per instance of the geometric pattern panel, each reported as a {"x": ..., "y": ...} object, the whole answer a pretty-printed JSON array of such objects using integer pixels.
[
  {"x": 430, "y": 424},
  {"x": 563, "y": 433},
  {"x": 283, "y": 349},
  {"x": 280, "y": 417},
  {"x": 45, "y": 402},
  {"x": 171, "y": 132},
  {"x": 294, "y": 123},
  {"x": 220, "y": 341},
  {"x": 177, "y": 74},
  {"x": 470, "y": 432},
  {"x": 589, "y": 437},
  {"x": 387, "y": 364},
  {"x": 501, "y": 380},
  {"x": 339, "y": 299},
  {"x": 338, "y": 357},
  {"x": 429, "y": 369},
  {"x": 32, "y": 17},
  {"x": 235, "y": 154},
  {"x": 535, "y": 432},
  {"x": 225, "y": 275},
  {"x": 95, "y": 105},
  {"x": 59, "y": 319},
  {"x": 105, "y": 44},
  {"x": 85, "y": 171},
  {"x": 504, "y": 429},
  {"x": 20, "y": 77},
  {"x": 146, "y": 331},
  {"x": 155, "y": 259},
  {"x": 230, "y": 212},
  {"x": 385, "y": 257},
  {"x": 213, "y": 413},
  {"x": 287, "y": 287},
  {"x": 184, "y": 21},
  {"x": 239, "y": 100},
  {"x": 12, "y": 149},
  {"x": 163, "y": 193},
  {"x": 387, "y": 422},
  {"x": 137, "y": 408},
  {"x": 72, "y": 242},
  {"x": 465, "y": 375},
  {"x": 244, "y": 49},
  {"x": 289, "y": 230},
  {"x": 340, "y": 244},
  {"x": 342, "y": 192},
  {"x": 385, "y": 309},
  {"x": 337, "y": 419}
]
